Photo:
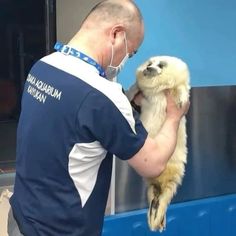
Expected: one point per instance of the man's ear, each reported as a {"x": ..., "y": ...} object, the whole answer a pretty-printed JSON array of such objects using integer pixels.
[{"x": 115, "y": 32}]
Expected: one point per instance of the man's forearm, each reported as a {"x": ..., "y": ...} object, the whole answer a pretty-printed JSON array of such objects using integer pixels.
[{"x": 166, "y": 140}]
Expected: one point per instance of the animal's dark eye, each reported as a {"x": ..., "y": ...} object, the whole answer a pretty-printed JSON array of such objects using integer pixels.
[{"x": 162, "y": 64}]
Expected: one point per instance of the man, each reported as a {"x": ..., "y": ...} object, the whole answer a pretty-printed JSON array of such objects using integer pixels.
[{"x": 74, "y": 118}]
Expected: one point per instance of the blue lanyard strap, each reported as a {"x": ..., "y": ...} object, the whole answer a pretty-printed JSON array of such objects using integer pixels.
[{"x": 67, "y": 50}]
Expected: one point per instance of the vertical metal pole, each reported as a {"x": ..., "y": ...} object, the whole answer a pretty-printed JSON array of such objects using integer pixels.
[
  {"x": 50, "y": 25},
  {"x": 113, "y": 187}
]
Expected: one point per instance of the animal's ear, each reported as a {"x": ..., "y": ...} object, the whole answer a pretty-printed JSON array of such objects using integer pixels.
[{"x": 132, "y": 91}]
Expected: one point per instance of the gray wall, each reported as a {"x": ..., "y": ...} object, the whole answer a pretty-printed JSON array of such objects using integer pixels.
[{"x": 70, "y": 14}]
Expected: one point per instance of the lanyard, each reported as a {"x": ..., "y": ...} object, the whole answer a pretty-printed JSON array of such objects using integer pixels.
[{"x": 67, "y": 50}]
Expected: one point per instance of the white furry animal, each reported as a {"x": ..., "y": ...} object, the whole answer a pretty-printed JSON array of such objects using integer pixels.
[{"x": 153, "y": 78}]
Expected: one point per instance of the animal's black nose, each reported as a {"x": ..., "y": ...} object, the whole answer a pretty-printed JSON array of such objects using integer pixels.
[
  {"x": 150, "y": 68},
  {"x": 150, "y": 71}
]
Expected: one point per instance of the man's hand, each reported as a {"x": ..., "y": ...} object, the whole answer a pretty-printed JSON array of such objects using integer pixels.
[{"x": 138, "y": 98}]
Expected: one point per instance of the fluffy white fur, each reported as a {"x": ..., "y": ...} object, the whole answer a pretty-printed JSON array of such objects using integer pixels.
[{"x": 153, "y": 78}]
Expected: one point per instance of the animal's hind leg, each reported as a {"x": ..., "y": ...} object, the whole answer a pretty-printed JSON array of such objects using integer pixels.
[
  {"x": 154, "y": 192},
  {"x": 164, "y": 200},
  {"x": 159, "y": 200}
]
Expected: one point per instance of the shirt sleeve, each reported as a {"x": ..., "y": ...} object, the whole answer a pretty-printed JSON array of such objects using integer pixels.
[{"x": 112, "y": 123}]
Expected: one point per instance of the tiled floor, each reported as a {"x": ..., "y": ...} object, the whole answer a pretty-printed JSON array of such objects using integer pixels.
[{"x": 4, "y": 209}]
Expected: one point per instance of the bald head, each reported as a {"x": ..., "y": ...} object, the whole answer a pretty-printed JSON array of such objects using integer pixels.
[
  {"x": 111, "y": 12},
  {"x": 112, "y": 29}
]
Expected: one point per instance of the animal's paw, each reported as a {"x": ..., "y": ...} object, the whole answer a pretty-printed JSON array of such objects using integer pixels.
[
  {"x": 180, "y": 103},
  {"x": 157, "y": 209},
  {"x": 183, "y": 96},
  {"x": 156, "y": 216}
]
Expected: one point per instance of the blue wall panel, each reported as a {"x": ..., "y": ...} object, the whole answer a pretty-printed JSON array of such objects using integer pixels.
[
  {"x": 207, "y": 217},
  {"x": 203, "y": 33}
]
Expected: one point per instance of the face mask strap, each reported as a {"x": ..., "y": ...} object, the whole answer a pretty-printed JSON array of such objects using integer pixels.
[
  {"x": 112, "y": 54},
  {"x": 112, "y": 49},
  {"x": 126, "y": 44},
  {"x": 112, "y": 71}
]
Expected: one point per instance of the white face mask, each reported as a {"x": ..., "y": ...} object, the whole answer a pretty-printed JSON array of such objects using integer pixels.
[{"x": 113, "y": 71}]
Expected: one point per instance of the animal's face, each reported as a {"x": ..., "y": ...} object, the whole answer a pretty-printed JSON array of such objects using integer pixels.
[{"x": 160, "y": 73}]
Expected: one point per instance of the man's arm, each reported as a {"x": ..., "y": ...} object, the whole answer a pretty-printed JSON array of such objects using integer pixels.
[{"x": 152, "y": 158}]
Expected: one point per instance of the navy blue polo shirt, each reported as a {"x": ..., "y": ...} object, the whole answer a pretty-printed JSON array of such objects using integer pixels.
[{"x": 72, "y": 122}]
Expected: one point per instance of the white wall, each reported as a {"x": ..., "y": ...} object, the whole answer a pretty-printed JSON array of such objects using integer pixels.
[{"x": 70, "y": 14}]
